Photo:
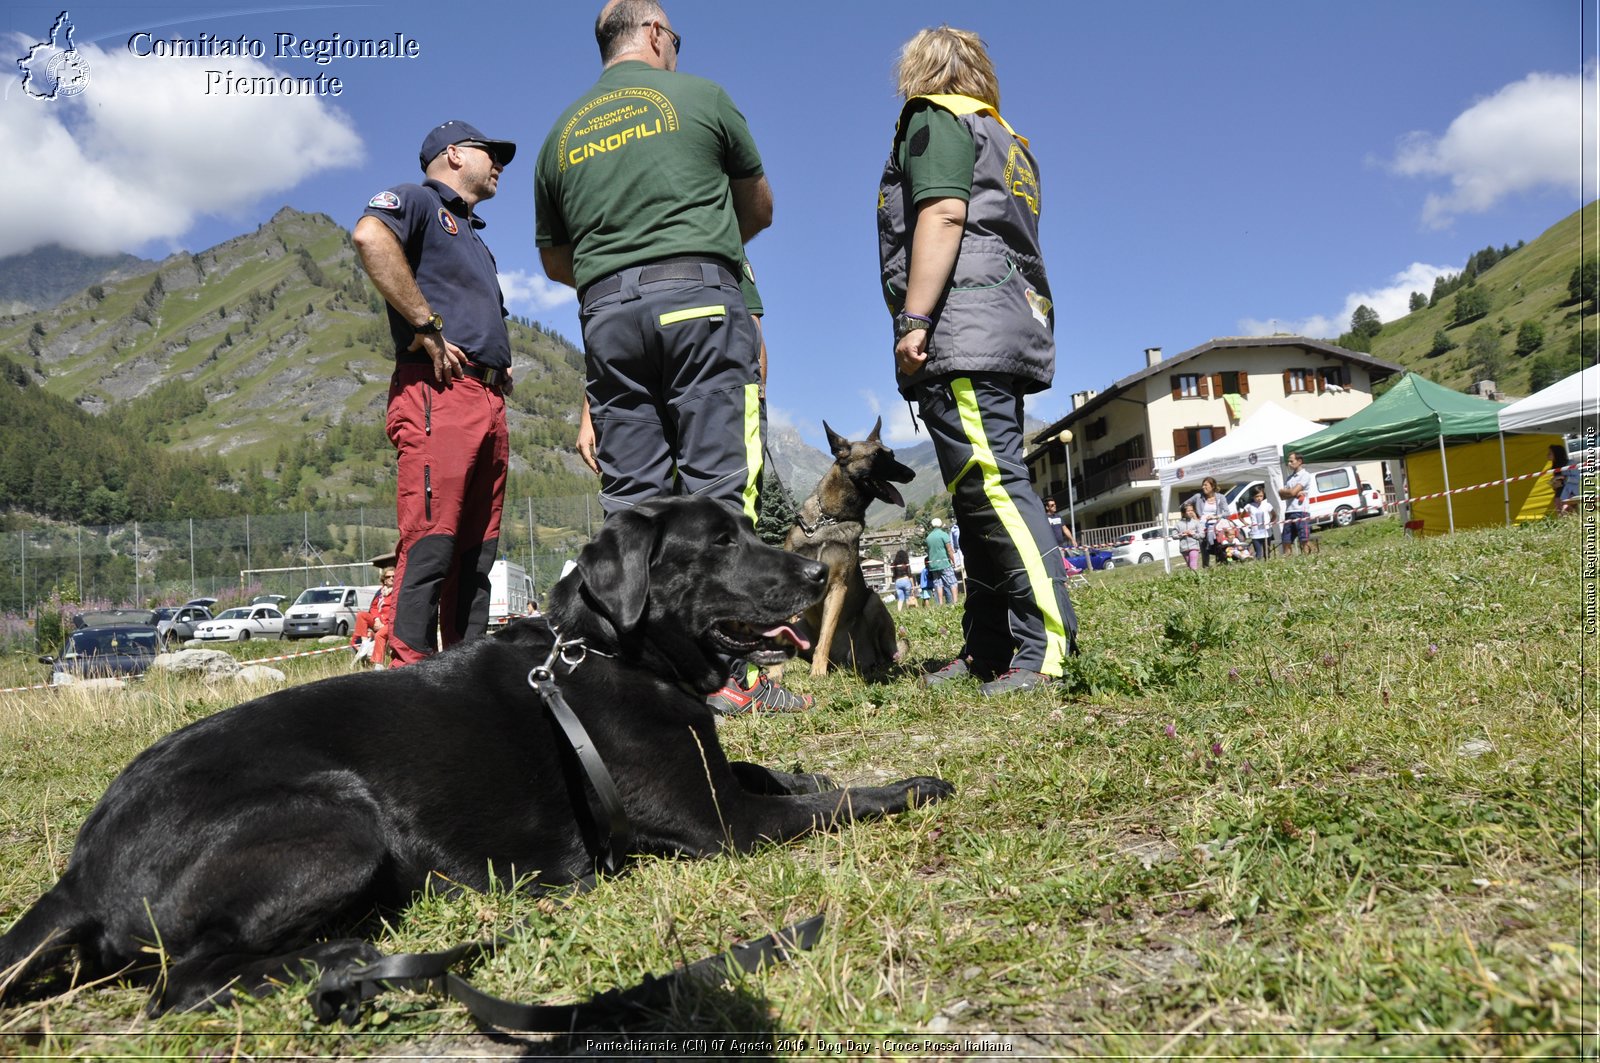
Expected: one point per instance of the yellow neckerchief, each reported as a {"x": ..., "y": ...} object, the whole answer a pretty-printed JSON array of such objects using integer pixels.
[{"x": 957, "y": 104}]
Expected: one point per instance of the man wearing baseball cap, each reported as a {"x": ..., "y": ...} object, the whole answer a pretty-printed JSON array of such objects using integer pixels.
[{"x": 421, "y": 246}]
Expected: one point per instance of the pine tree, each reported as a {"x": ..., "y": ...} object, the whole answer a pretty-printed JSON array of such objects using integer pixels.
[
  {"x": 1584, "y": 284},
  {"x": 1530, "y": 337}
]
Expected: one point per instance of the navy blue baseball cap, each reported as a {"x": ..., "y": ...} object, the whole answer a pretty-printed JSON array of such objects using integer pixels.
[{"x": 458, "y": 132}]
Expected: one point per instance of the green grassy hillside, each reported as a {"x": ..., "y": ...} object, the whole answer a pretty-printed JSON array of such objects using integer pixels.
[
  {"x": 1528, "y": 285},
  {"x": 270, "y": 353}
]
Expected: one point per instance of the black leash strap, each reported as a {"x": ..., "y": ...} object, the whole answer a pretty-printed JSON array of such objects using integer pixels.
[
  {"x": 618, "y": 840},
  {"x": 341, "y": 993}
]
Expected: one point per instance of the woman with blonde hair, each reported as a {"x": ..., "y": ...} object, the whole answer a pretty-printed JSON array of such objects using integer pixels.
[{"x": 963, "y": 275}]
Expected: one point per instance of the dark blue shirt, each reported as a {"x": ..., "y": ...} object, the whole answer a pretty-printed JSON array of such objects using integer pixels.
[{"x": 453, "y": 267}]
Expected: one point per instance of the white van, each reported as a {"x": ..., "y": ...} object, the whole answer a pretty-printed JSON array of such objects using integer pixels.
[
  {"x": 1337, "y": 496},
  {"x": 326, "y": 611},
  {"x": 510, "y": 593}
]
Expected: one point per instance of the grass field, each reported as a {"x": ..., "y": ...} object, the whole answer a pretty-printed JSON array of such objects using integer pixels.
[{"x": 1337, "y": 805}]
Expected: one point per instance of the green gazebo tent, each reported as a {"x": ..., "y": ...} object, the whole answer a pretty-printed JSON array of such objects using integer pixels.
[{"x": 1414, "y": 415}]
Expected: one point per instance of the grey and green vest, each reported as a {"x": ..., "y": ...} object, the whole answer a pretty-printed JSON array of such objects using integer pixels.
[{"x": 997, "y": 314}]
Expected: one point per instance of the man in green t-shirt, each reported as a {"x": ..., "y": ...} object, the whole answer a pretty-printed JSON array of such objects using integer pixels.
[
  {"x": 645, "y": 191},
  {"x": 941, "y": 565}
]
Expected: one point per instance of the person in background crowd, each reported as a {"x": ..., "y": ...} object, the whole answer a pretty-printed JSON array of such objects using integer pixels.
[
  {"x": 1563, "y": 483},
  {"x": 1191, "y": 534},
  {"x": 900, "y": 572},
  {"x": 1211, "y": 506},
  {"x": 1259, "y": 514},
  {"x": 372, "y": 624},
  {"x": 941, "y": 563},
  {"x": 1296, "y": 493}
]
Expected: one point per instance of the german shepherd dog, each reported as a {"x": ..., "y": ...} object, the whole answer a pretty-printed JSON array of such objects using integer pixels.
[
  {"x": 850, "y": 625},
  {"x": 247, "y": 843}
]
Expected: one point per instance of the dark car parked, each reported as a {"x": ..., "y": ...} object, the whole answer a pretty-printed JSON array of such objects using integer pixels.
[
  {"x": 112, "y": 618},
  {"x": 121, "y": 651}
]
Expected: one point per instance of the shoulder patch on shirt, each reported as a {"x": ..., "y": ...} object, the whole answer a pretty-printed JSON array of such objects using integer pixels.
[
  {"x": 385, "y": 201},
  {"x": 448, "y": 220}
]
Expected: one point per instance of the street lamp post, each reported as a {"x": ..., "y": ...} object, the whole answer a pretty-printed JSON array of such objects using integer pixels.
[{"x": 1072, "y": 509}]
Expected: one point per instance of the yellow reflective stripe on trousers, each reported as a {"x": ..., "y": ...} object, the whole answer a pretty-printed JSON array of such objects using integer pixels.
[
  {"x": 672, "y": 317},
  {"x": 1005, "y": 507},
  {"x": 752, "y": 450}
]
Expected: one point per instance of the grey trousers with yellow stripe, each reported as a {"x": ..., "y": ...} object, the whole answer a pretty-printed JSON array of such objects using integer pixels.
[
  {"x": 1018, "y": 613},
  {"x": 673, "y": 391}
]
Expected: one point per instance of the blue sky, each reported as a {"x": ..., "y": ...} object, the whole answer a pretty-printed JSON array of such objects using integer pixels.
[{"x": 1209, "y": 169}]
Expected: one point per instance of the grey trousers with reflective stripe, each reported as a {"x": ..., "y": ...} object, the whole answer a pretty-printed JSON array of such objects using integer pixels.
[
  {"x": 672, "y": 384},
  {"x": 1018, "y": 612}
]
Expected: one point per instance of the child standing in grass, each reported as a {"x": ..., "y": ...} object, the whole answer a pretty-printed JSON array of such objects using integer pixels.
[
  {"x": 1190, "y": 532},
  {"x": 1260, "y": 517}
]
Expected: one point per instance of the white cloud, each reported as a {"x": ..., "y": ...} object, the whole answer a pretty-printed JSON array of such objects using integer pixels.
[
  {"x": 144, "y": 151},
  {"x": 530, "y": 293},
  {"x": 1525, "y": 137},
  {"x": 1390, "y": 302},
  {"x": 898, "y": 427}
]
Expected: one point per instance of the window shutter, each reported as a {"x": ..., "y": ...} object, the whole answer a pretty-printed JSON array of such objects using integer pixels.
[
  {"x": 1218, "y": 432},
  {"x": 1286, "y": 373},
  {"x": 1202, "y": 383},
  {"x": 1216, "y": 385},
  {"x": 1180, "y": 442},
  {"x": 1175, "y": 392},
  {"x": 1244, "y": 385}
]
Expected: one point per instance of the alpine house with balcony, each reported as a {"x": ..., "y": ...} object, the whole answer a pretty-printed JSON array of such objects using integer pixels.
[{"x": 1174, "y": 406}]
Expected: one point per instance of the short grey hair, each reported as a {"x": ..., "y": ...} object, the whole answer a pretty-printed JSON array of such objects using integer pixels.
[{"x": 619, "y": 23}]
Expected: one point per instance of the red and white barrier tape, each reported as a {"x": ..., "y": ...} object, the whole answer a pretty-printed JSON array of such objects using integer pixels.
[
  {"x": 1438, "y": 494},
  {"x": 1479, "y": 487}
]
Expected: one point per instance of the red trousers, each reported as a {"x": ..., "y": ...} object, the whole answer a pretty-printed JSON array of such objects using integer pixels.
[{"x": 453, "y": 455}]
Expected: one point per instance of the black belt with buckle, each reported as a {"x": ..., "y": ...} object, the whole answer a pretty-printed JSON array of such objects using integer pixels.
[
  {"x": 673, "y": 269},
  {"x": 490, "y": 377}
]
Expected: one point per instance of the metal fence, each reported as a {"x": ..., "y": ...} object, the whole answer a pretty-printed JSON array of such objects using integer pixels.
[{"x": 149, "y": 563}]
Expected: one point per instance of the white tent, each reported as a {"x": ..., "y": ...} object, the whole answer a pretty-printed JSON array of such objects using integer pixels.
[
  {"x": 1254, "y": 448},
  {"x": 1565, "y": 406}
]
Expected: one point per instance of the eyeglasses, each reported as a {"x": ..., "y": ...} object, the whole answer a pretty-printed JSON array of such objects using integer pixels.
[{"x": 677, "y": 41}]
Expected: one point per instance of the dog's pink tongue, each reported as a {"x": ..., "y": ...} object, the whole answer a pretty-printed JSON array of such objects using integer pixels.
[{"x": 785, "y": 631}]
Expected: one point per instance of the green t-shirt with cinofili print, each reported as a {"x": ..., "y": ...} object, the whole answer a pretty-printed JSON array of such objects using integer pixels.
[{"x": 639, "y": 169}]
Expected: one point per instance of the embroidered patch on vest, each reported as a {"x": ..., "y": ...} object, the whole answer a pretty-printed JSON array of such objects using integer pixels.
[
  {"x": 385, "y": 201},
  {"x": 448, "y": 220},
  {"x": 1040, "y": 307}
]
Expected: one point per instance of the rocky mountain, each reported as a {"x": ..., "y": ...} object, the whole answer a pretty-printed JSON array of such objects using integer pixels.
[
  {"x": 44, "y": 276},
  {"x": 269, "y": 344}
]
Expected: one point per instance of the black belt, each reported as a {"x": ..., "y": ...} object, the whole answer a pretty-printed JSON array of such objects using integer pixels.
[
  {"x": 686, "y": 268},
  {"x": 490, "y": 377}
]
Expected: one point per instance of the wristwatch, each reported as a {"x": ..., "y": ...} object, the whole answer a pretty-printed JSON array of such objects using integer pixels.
[
  {"x": 433, "y": 326},
  {"x": 906, "y": 323}
]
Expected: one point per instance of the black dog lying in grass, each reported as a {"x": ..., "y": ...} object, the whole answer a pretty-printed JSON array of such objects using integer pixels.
[{"x": 238, "y": 840}]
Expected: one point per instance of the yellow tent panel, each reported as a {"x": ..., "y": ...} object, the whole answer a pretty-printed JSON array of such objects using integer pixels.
[{"x": 1478, "y": 463}]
